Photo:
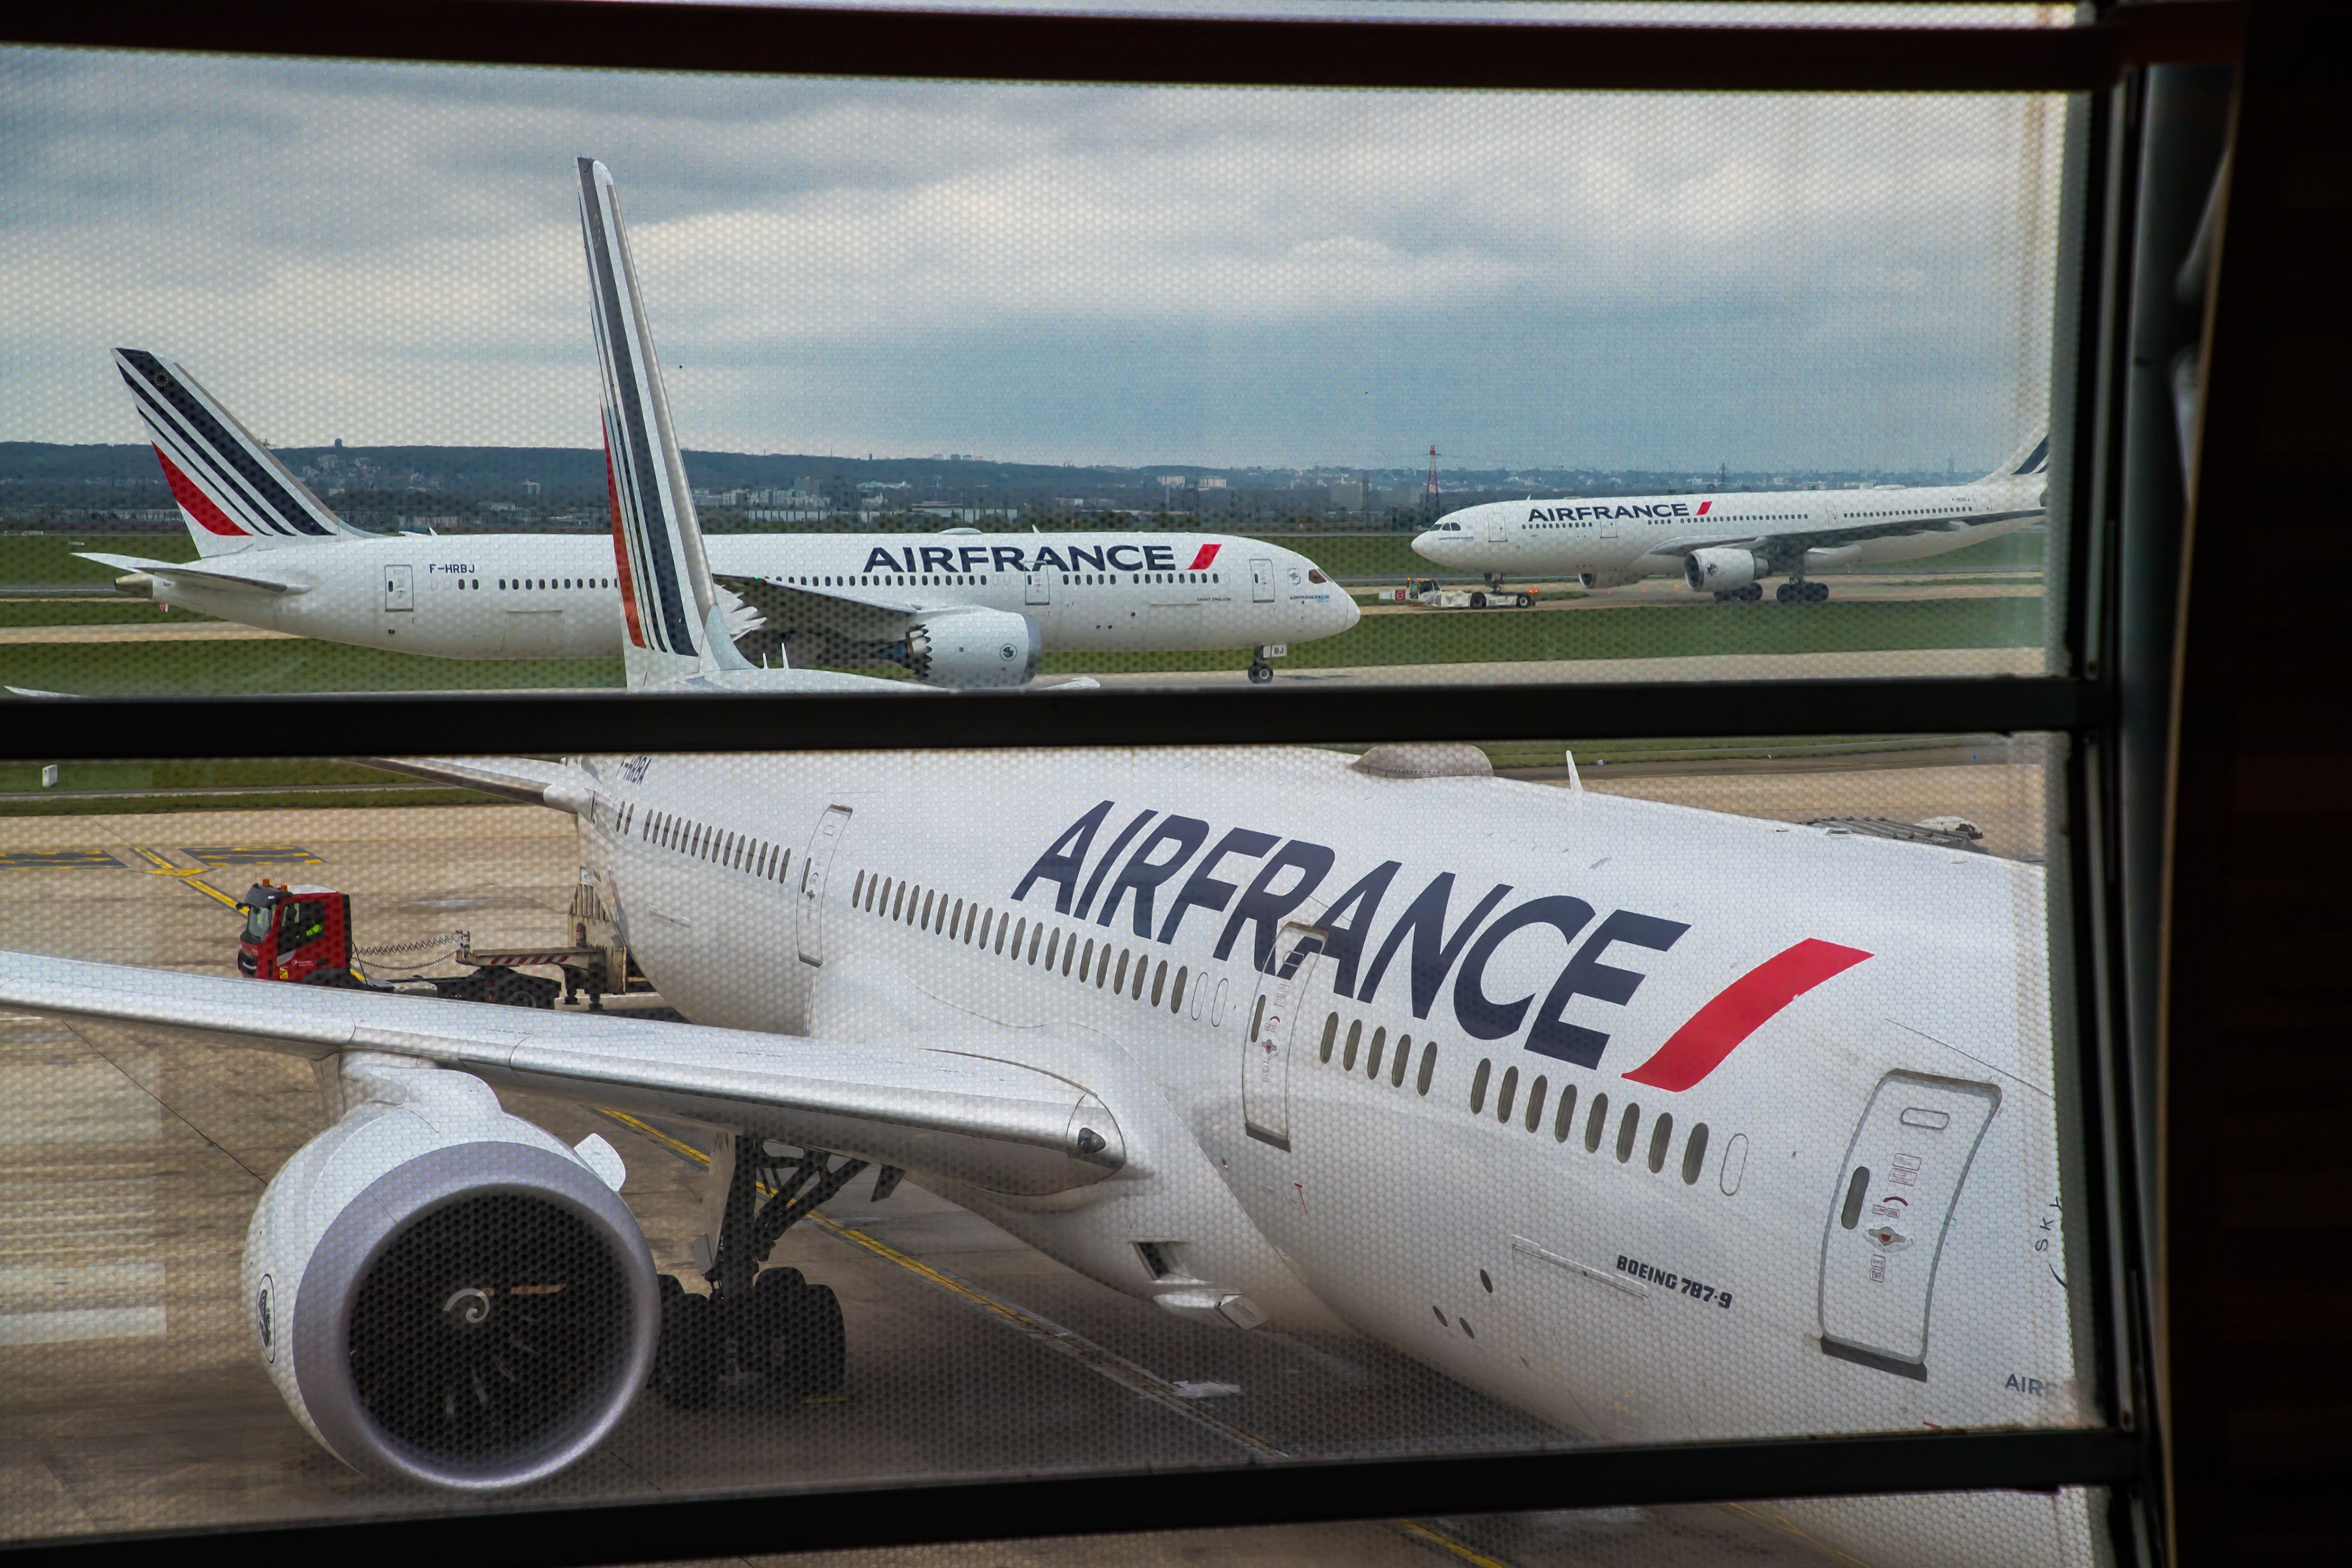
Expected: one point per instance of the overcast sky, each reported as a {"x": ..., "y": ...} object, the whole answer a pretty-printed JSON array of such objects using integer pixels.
[{"x": 390, "y": 253}]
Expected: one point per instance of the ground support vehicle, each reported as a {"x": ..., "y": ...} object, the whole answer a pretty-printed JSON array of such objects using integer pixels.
[
  {"x": 1427, "y": 593},
  {"x": 302, "y": 935}
]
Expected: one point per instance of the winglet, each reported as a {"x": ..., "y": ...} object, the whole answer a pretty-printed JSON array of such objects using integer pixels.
[{"x": 232, "y": 489}]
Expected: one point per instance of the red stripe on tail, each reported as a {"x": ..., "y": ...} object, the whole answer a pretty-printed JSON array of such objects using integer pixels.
[
  {"x": 199, "y": 506},
  {"x": 621, "y": 549},
  {"x": 1200, "y": 562},
  {"x": 1739, "y": 1009}
]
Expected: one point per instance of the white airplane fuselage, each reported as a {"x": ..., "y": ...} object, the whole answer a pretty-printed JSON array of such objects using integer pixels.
[
  {"x": 1592, "y": 1268},
  {"x": 1624, "y": 538},
  {"x": 552, "y": 595}
]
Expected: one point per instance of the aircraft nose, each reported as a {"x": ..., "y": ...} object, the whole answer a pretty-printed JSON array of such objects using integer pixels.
[{"x": 1425, "y": 540}]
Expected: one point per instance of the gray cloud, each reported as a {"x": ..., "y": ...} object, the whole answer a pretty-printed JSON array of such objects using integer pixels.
[{"x": 388, "y": 253}]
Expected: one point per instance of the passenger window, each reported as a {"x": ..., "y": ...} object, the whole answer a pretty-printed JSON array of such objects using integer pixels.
[
  {"x": 1159, "y": 984},
  {"x": 1564, "y": 1121},
  {"x": 898, "y": 905},
  {"x": 1019, "y": 930},
  {"x": 1596, "y": 1124},
  {"x": 1404, "y": 1057},
  {"x": 1478, "y": 1086},
  {"x": 856, "y": 888},
  {"x": 1660, "y": 1134},
  {"x": 1140, "y": 965},
  {"x": 1626, "y": 1129},
  {"x": 1428, "y": 1065},
  {"x": 1176, "y": 996},
  {"x": 1036, "y": 934},
  {"x": 1857, "y": 1187},
  {"x": 1051, "y": 947},
  {"x": 1510, "y": 1092},
  {"x": 1355, "y": 1037},
  {"x": 1002, "y": 926},
  {"x": 1122, "y": 970},
  {"x": 955, "y": 920},
  {"x": 1086, "y": 961},
  {"x": 1372, "y": 1057},
  {"x": 1102, "y": 969},
  {"x": 1536, "y": 1093},
  {"x": 1695, "y": 1154},
  {"x": 930, "y": 897},
  {"x": 1331, "y": 1033}
]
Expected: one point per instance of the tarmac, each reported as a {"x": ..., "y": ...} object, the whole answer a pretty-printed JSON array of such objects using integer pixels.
[{"x": 130, "y": 1397}]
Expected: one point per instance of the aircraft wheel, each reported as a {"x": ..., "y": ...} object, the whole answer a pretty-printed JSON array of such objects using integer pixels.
[
  {"x": 1725, "y": 595},
  {"x": 805, "y": 1348},
  {"x": 1750, "y": 594},
  {"x": 1817, "y": 593},
  {"x": 1261, "y": 673},
  {"x": 1787, "y": 592},
  {"x": 686, "y": 1363}
]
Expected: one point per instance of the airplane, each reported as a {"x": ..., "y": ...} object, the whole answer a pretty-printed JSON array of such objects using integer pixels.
[
  {"x": 1658, "y": 1123},
  {"x": 1726, "y": 544},
  {"x": 959, "y": 609}
]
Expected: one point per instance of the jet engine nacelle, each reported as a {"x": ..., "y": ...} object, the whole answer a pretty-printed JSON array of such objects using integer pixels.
[
  {"x": 974, "y": 648},
  {"x": 1714, "y": 570},
  {"x": 445, "y": 1293},
  {"x": 1608, "y": 579}
]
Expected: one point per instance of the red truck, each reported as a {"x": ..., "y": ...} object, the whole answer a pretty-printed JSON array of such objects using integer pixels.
[{"x": 302, "y": 937}]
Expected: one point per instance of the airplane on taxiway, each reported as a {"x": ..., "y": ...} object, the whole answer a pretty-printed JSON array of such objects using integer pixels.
[
  {"x": 1655, "y": 1122},
  {"x": 1726, "y": 544},
  {"x": 959, "y": 609}
]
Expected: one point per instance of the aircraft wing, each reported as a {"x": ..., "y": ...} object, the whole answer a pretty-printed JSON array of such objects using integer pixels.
[
  {"x": 842, "y": 611},
  {"x": 948, "y": 1107},
  {"x": 199, "y": 573},
  {"x": 1785, "y": 546},
  {"x": 525, "y": 779}
]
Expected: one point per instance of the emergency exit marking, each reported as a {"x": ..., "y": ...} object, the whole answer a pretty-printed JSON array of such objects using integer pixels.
[
  {"x": 28, "y": 859},
  {"x": 253, "y": 854}
]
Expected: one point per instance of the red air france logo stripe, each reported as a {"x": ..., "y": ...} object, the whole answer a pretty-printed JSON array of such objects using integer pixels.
[
  {"x": 1703, "y": 506},
  {"x": 199, "y": 504},
  {"x": 1200, "y": 562},
  {"x": 1741, "y": 1008}
]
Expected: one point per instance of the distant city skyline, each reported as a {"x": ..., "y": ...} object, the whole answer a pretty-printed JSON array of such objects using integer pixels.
[{"x": 388, "y": 254}]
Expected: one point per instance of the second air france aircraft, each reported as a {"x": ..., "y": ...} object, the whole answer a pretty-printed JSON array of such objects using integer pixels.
[{"x": 959, "y": 609}]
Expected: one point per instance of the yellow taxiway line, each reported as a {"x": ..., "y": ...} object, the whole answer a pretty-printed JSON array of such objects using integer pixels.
[{"x": 158, "y": 866}]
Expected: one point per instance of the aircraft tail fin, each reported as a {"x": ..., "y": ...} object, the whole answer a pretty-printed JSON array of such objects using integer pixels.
[
  {"x": 233, "y": 491},
  {"x": 674, "y": 616},
  {"x": 2030, "y": 460}
]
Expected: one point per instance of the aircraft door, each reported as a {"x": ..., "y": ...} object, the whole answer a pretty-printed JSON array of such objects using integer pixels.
[
  {"x": 1274, "y": 1021},
  {"x": 399, "y": 589},
  {"x": 1495, "y": 531},
  {"x": 1894, "y": 1196},
  {"x": 815, "y": 866},
  {"x": 1261, "y": 581},
  {"x": 1036, "y": 588}
]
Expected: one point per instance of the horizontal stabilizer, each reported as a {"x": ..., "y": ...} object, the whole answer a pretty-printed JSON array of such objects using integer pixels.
[{"x": 249, "y": 581}]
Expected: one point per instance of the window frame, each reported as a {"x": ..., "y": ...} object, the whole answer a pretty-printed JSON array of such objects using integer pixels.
[{"x": 2105, "y": 708}]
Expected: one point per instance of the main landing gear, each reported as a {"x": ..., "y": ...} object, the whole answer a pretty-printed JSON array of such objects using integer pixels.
[
  {"x": 770, "y": 1325},
  {"x": 1748, "y": 595},
  {"x": 1798, "y": 591}
]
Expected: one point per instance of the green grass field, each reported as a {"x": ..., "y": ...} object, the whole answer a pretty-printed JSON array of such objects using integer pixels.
[{"x": 130, "y": 669}]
